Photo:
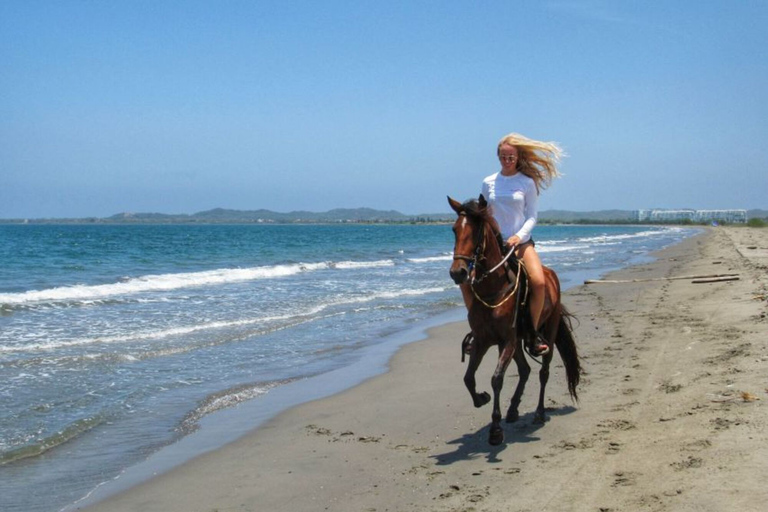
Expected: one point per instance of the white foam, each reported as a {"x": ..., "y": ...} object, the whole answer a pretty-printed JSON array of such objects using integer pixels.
[
  {"x": 542, "y": 248},
  {"x": 150, "y": 335},
  {"x": 86, "y": 294},
  {"x": 134, "y": 336},
  {"x": 349, "y": 265},
  {"x": 603, "y": 239},
  {"x": 431, "y": 259}
]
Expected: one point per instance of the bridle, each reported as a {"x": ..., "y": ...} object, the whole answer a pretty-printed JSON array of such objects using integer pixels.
[{"x": 473, "y": 262}]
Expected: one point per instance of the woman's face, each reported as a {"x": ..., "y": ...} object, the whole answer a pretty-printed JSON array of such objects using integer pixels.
[{"x": 508, "y": 159}]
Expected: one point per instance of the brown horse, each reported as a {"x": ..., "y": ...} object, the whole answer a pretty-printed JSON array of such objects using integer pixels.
[{"x": 498, "y": 315}]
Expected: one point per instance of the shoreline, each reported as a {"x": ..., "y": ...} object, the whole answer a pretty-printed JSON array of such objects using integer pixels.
[
  {"x": 322, "y": 438},
  {"x": 226, "y": 426}
]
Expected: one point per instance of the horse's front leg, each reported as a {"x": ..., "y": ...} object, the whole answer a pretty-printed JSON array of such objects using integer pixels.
[
  {"x": 496, "y": 435},
  {"x": 523, "y": 370},
  {"x": 475, "y": 357},
  {"x": 540, "y": 416}
]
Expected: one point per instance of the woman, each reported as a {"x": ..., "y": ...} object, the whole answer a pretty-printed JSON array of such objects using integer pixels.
[{"x": 527, "y": 167}]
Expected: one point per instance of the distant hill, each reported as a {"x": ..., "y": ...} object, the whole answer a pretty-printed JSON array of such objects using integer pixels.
[
  {"x": 338, "y": 215},
  {"x": 223, "y": 215}
]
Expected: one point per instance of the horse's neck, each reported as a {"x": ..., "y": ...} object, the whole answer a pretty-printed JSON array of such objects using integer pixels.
[{"x": 493, "y": 256}]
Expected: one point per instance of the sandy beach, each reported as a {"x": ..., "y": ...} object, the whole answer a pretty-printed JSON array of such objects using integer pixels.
[{"x": 672, "y": 414}]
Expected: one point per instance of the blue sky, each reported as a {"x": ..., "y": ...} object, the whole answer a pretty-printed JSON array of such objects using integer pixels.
[{"x": 178, "y": 107}]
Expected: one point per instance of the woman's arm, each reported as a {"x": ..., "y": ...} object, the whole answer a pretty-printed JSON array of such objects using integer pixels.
[{"x": 531, "y": 212}]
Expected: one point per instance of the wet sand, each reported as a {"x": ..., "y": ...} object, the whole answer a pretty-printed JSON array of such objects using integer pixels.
[{"x": 672, "y": 414}]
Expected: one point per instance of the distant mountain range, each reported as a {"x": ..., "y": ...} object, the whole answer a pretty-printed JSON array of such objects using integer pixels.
[{"x": 338, "y": 215}]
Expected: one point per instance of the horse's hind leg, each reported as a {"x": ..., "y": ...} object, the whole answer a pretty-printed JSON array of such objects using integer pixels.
[
  {"x": 475, "y": 357},
  {"x": 496, "y": 435},
  {"x": 524, "y": 370},
  {"x": 540, "y": 416}
]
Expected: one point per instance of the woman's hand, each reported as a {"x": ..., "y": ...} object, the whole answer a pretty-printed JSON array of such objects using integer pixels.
[{"x": 513, "y": 241}]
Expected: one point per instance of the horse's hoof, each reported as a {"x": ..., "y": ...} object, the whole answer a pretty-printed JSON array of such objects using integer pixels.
[
  {"x": 539, "y": 418},
  {"x": 482, "y": 399},
  {"x": 512, "y": 416},
  {"x": 496, "y": 437}
]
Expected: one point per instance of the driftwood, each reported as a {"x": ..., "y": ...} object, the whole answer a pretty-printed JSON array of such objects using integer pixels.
[
  {"x": 715, "y": 280},
  {"x": 708, "y": 278}
]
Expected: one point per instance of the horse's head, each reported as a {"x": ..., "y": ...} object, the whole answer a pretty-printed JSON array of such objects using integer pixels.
[{"x": 469, "y": 234}]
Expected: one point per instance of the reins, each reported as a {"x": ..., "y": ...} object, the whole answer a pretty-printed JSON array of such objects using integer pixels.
[{"x": 511, "y": 289}]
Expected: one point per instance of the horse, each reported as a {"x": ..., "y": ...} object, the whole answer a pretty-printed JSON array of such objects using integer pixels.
[{"x": 495, "y": 296}]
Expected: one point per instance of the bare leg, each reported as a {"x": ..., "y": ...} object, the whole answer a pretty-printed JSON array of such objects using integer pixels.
[{"x": 537, "y": 296}]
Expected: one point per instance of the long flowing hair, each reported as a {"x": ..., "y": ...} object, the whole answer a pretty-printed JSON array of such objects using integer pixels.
[{"x": 536, "y": 159}]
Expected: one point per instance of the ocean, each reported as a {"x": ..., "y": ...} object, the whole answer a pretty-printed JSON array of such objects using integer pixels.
[{"x": 118, "y": 342}]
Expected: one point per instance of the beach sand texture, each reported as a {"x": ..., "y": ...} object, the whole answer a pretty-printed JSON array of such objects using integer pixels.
[{"x": 673, "y": 412}]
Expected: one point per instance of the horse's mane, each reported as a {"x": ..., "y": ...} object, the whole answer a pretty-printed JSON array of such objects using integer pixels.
[
  {"x": 482, "y": 213},
  {"x": 475, "y": 211}
]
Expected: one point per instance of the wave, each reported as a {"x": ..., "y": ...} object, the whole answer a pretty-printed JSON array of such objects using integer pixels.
[
  {"x": 431, "y": 259},
  {"x": 603, "y": 239},
  {"x": 350, "y": 265},
  {"x": 70, "y": 432},
  {"x": 225, "y": 399},
  {"x": 91, "y": 294},
  {"x": 542, "y": 248},
  {"x": 152, "y": 335},
  {"x": 299, "y": 316}
]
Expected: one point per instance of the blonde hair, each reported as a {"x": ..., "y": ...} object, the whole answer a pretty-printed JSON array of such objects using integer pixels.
[{"x": 537, "y": 160}]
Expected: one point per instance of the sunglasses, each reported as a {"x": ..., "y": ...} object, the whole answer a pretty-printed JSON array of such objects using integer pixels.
[{"x": 507, "y": 158}]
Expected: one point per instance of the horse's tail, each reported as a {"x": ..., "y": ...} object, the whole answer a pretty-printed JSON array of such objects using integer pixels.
[{"x": 566, "y": 345}]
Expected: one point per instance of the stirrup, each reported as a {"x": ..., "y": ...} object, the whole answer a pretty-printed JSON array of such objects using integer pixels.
[{"x": 466, "y": 345}]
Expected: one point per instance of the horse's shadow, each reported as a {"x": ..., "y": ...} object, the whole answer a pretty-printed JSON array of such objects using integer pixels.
[{"x": 474, "y": 445}]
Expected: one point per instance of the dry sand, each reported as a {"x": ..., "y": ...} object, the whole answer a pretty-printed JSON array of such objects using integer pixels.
[{"x": 672, "y": 415}]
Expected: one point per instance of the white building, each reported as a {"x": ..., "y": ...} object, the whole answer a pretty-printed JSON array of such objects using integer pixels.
[{"x": 659, "y": 215}]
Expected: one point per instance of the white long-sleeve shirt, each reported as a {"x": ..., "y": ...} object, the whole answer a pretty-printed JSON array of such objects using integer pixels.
[{"x": 514, "y": 203}]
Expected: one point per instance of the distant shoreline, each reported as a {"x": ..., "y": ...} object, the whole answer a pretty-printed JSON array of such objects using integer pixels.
[
  {"x": 107, "y": 222},
  {"x": 80, "y": 222},
  {"x": 346, "y": 216}
]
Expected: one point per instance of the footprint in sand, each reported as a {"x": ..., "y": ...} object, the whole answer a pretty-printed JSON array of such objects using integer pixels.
[
  {"x": 617, "y": 424},
  {"x": 623, "y": 479},
  {"x": 697, "y": 446},
  {"x": 689, "y": 463}
]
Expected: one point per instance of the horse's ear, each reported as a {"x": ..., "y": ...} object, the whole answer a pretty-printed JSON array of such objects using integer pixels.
[
  {"x": 481, "y": 201},
  {"x": 455, "y": 205}
]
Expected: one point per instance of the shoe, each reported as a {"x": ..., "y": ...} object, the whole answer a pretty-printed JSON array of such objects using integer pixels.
[{"x": 538, "y": 346}]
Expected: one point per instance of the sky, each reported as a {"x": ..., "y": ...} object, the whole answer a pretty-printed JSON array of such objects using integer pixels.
[{"x": 183, "y": 106}]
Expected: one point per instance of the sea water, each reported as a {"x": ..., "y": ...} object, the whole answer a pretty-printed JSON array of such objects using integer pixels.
[{"x": 115, "y": 341}]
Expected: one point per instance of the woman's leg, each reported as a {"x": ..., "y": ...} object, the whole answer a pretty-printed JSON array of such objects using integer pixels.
[{"x": 533, "y": 265}]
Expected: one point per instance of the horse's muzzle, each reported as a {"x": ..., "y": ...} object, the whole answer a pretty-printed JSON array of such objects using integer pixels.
[{"x": 459, "y": 272}]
